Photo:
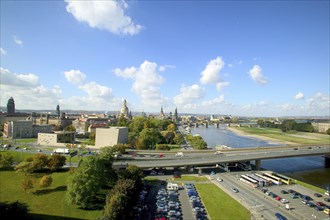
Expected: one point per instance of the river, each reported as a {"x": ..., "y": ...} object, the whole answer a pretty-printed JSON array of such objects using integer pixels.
[{"x": 307, "y": 169}]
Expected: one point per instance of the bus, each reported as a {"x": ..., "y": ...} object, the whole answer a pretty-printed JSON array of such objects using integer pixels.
[
  {"x": 274, "y": 179},
  {"x": 284, "y": 179},
  {"x": 249, "y": 181},
  {"x": 269, "y": 181},
  {"x": 261, "y": 181}
]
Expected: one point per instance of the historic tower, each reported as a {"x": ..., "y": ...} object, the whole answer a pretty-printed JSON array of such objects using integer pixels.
[
  {"x": 11, "y": 106},
  {"x": 124, "y": 110},
  {"x": 58, "y": 112}
]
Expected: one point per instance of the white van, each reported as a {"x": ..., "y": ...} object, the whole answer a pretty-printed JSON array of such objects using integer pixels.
[
  {"x": 179, "y": 154},
  {"x": 172, "y": 186}
]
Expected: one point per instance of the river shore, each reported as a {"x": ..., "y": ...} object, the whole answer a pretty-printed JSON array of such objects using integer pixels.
[{"x": 268, "y": 139}]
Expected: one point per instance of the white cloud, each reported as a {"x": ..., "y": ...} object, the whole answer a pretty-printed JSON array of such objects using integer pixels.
[
  {"x": 318, "y": 103},
  {"x": 126, "y": 73},
  {"x": 221, "y": 85},
  {"x": 257, "y": 75},
  {"x": 95, "y": 90},
  {"x": 104, "y": 15},
  {"x": 211, "y": 73},
  {"x": 18, "y": 41},
  {"x": 214, "y": 102},
  {"x": 27, "y": 91},
  {"x": 20, "y": 80},
  {"x": 146, "y": 83},
  {"x": 3, "y": 52},
  {"x": 189, "y": 95},
  {"x": 299, "y": 95},
  {"x": 164, "y": 67},
  {"x": 75, "y": 77}
]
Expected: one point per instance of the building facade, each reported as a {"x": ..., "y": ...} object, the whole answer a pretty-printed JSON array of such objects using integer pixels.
[
  {"x": 23, "y": 129},
  {"x": 111, "y": 136},
  {"x": 56, "y": 139}
]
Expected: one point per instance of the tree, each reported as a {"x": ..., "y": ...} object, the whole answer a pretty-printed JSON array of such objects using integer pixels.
[
  {"x": 70, "y": 128},
  {"x": 120, "y": 148},
  {"x": 178, "y": 138},
  {"x": 6, "y": 161},
  {"x": 148, "y": 138},
  {"x": 24, "y": 167},
  {"x": 114, "y": 208},
  {"x": 39, "y": 162},
  {"x": 328, "y": 131},
  {"x": 162, "y": 147},
  {"x": 26, "y": 184},
  {"x": 86, "y": 182},
  {"x": 168, "y": 136},
  {"x": 56, "y": 161},
  {"x": 13, "y": 210},
  {"x": 172, "y": 127},
  {"x": 46, "y": 181}
]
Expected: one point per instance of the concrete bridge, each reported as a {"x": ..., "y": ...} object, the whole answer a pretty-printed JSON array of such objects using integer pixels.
[{"x": 208, "y": 157}]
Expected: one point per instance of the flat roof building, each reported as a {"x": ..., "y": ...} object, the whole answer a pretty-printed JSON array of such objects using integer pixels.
[{"x": 111, "y": 136}]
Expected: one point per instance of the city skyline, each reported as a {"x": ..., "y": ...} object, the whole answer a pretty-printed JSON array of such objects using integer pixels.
[{"x": 203, "y": 57}]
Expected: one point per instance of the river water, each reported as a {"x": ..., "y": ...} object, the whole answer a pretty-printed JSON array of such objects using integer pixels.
[{"x": 303, "y": 168}]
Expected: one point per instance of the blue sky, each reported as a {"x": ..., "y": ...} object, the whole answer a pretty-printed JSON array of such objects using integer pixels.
[{"x": 248, "y": 58}]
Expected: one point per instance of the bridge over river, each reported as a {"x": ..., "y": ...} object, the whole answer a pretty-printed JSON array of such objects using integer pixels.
[{"x": 146, "y": 159}]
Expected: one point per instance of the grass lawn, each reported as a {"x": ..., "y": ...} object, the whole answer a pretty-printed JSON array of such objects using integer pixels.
[
  {"x": 219, "y": 204},
  {"x": 18, "y": 156},
  {"x": 51, "y": 205},
  {"x": 302, "y": 138}
]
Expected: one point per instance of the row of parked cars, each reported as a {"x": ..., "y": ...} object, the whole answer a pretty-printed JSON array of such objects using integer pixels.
[
  {"x": 168, "y": 205},
  {"x": 197, "y": 206}
]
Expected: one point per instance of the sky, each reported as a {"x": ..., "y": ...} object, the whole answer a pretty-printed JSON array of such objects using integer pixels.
[{"x": 244, "y": 58}]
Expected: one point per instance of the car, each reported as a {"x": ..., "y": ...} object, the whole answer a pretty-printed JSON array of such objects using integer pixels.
[
  {"x": 304, "y": 201},
  {"x": 326, "y": 211},
  {"x": 294, "y": 196},
  {"x": 219, "y": 179},
  {"x": 212, "y": 173},
  {"x": 280, "y": 216},
  {"x": 218, "y": 152},
  {"x": 284, "y": 192},
  {"x": 278, "y": 198},
  {"x": 318, "y": 208},
  {"x": 320, "y": 204},
  {"x": 234, "y": 190},
  {"x": 38, "y": 150},
  {"x": 308, "y": 198},
  {"x": 327, "y": 199},
  {"x": 317, "y": 195},
  {"x": 310, "y": 204},
  {"x": 284, "y": 201}
]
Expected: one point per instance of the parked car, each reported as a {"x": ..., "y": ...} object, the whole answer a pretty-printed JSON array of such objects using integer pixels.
[
  {"x": 234, "y": 190},
  {"x": 326, "y": 211},
  {"x": 310, "y": 204},
  {"x": 284, "y": 201},
  {"x": 279, "y": 216},
  {"x": 278, "y": 198},
  {"x": 327, "y": 199},
  {"x": 284, "y": 192},
  {"x": 317, "y": 195},
  {"x": 320, "y": 204},
  {"x": 319, "y": 208}
]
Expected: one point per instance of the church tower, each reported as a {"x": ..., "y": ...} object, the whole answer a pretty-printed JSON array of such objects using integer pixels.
[
  {"x": 124, "y": 110},
  {"x": 58, "y": 112},
  {"x": 11, "y": 106}
]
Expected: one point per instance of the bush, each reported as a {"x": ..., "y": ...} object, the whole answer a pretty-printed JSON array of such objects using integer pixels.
[
  {"x": 328, "y": 131},
  {"x": 162, "y": 147}
]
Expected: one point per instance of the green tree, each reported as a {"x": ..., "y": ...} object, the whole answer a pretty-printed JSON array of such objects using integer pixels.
[
  {"x": 162, "y": 147},
  {"x": 92, "y": 136},
  {"x": 27, "y": 184},
  {"x": 24, "y": 167},
  {"x": 45, "y": 181},
  {"x": 148, "y": 138},
  {"x": 6, "y": 161},
  {"x": 120, "y": 148},
  {"x": 178, "y": 138},
  {"x": 114, "y": 208},
  {"x": 328, "y": 131},
  {"x": 70, "y": 128},
  {"x": 39, "y": 162},
  {"x": 86, "y": 182},
  {"x": 172, "y": 127},
  {"x": 56, "y": 161},
  {"x": 122, "y": 122},
  {"x": 137, "y": 124},
  {"x": 168, "y": 136}
]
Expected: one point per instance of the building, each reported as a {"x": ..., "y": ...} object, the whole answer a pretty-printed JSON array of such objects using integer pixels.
[
  {"x": 11, "y": 106},
  {"x": 321, "y": 127},
  {"x": 111, "y": 136},
  {"x": 124, "y": 111},
  {"x": 88, "y": 123},
  {"x": 24, "y": 129},
  {"x": 56, "y": 139}
]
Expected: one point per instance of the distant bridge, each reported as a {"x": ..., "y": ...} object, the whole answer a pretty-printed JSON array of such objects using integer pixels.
[{"x": 208, "y": 157}]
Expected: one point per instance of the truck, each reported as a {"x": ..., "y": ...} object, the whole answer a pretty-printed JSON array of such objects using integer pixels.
[{"x": 61, "y": 151}]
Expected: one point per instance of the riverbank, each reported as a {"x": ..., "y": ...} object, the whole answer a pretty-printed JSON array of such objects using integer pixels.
[{"x": 268, "y": 139}]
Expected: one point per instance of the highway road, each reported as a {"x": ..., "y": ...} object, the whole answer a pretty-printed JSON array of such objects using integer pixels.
[{"x": 234, "y": 155}]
